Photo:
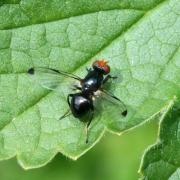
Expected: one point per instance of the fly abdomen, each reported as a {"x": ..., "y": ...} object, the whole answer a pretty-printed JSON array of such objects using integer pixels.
[{"x": 80, "y": 105}]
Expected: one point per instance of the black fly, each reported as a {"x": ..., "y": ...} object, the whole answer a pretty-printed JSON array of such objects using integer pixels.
[{"x": 81, "y": 104}]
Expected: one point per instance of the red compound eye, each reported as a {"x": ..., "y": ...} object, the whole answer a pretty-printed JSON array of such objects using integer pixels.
[
  {"x": 107, "y": 69},
  {"x": 102, "y": 65}
]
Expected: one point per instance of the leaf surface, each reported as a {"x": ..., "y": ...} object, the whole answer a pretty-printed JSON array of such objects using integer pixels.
[
  {"x": 140, "y": 40},
  {"x": 161, "y": 161}
]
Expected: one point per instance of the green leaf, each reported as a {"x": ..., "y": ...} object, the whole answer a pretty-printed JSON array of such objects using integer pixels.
[
  {"x": 161, "y": 161},
  {"x": 140, "y": 40}
]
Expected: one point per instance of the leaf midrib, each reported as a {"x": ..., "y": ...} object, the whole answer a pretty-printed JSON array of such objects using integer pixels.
[{"x": 68, "y": 17}]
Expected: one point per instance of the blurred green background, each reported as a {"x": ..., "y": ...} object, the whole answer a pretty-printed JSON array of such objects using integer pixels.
[{"x": 113, "y": 158}]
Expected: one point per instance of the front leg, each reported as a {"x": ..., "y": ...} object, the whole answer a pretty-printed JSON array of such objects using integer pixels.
[
  {"x": 88, "y": 69},
  {"x": 108, "y": 77}
]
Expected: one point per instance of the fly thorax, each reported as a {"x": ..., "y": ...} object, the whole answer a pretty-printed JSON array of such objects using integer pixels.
[{"x": 90, "y": 84}]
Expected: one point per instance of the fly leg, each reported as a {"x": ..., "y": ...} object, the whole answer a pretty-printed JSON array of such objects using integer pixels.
[
  {"x": 68, "y": 112},
  {"x": 88, "y": 124},
  {"x": 88, "y": 69},
  {"x": 108, "y": 77},
  {"x": 68, "y": 99}
]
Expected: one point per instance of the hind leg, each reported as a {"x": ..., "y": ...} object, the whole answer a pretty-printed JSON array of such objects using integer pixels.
[
  {"x": 68, "y": 112},
  {"x": 89, "y": 123}
]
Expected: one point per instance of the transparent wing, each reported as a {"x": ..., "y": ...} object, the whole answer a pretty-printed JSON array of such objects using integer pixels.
[
  {"x": 50, "y": 78},
  {"x": 110, "y": 107}
]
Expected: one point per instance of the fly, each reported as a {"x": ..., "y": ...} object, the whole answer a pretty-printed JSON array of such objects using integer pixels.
[{"x": 81, "y": 104}]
